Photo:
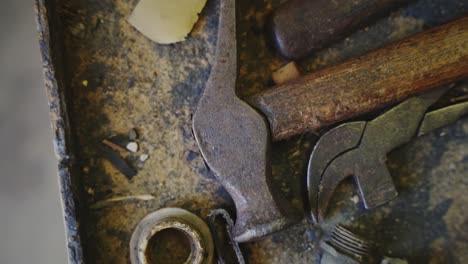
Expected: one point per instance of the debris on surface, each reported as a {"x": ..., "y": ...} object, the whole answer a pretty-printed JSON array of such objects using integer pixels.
[
  {"x": 132, "y": 147},
  {"x": 120, "y": 163},
  {"x": 166, "y": 21},
  {"x": 78, "y": 30},
  {"x": 286, "y": 73},
  {"x": 133, "y": 134},
  {"x": 90, "y": 191},
  {"x": 190, "y": 155},
  {"x": 123, "y": 199},
  {"x": 119, "y": 153},
  {"x": 113, "y": 146},
  {"x": 144, "y": 157},
  {"x": 388, "y": 260},
  {"x": 355, "y": 199}
]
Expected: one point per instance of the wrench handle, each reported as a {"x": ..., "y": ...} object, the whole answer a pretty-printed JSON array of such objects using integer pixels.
[{"x": 386, "y": 76}]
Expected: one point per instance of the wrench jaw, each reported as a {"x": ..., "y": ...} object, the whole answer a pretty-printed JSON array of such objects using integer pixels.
[
  {"x": 332, "y": 144},
  {"x": 360, "y": 151},
  {"x": 372, "y": 178},
  {"x": 374, "y": 182}
]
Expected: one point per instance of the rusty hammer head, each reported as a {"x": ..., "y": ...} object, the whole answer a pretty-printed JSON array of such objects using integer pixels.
[{"x": 234, "y": 141}]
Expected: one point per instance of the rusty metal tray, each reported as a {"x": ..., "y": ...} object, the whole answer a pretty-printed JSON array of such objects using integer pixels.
[{"x": 104, "y": 78}]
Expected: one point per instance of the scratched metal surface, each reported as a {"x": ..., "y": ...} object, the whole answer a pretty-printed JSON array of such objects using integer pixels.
[{"x": 133, "y": 82}]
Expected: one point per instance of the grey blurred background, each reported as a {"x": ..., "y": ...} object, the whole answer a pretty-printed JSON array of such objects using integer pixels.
[{"x": 31, "y": 224}]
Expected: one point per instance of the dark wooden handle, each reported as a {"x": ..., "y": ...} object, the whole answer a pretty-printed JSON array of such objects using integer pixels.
[
  {"x": 300, "y": 27},
  {"x": 413, "y": 65}
]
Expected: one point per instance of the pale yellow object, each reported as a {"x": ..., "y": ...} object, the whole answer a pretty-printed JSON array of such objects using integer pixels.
[{"x": 166, "y": 21}]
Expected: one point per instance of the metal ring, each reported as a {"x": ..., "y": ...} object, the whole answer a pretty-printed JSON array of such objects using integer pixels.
[{"x": 192, "y": 226}]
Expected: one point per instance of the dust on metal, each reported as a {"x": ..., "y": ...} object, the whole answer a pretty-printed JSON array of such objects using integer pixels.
[
  {"x": 359, "y": 149},
  {"x": 235, "y": 142}
]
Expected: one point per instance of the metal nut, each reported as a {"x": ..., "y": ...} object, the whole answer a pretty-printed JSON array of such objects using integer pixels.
[{"x": 192, "y": 226}]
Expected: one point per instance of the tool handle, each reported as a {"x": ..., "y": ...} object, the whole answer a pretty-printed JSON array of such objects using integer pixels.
[
  {"x": 300, "y": 27},
  {"x": 416, "y": 64}
]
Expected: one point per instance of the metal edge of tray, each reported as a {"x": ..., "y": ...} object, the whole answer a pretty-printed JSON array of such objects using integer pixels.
[{"x": 61, "y": 130}]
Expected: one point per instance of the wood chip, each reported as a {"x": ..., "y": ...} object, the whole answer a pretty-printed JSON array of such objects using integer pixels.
[
  {"x": 114, "y": 146},
  {"x": 286, "y": 73},
  {"x": 166, "y": 21}
]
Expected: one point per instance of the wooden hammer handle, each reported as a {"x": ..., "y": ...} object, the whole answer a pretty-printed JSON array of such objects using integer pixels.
[
  {"x": 416, "y": 64},
  {"x": 299, "y": 27}
]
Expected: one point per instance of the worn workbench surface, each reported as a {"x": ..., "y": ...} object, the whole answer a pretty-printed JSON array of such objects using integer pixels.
[{"x": 104, "y": 78}]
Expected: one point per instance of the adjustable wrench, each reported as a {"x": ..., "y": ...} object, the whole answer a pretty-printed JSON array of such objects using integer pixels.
[
  {"x": 227, "y": 129},
  {"x": 359, "y": 149}
]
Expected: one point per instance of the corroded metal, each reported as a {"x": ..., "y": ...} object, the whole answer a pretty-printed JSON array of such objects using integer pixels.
[
  {"x": 196, "y": 231},
  {"x": 133, "y": 82},
  {"x": 335, "y": 142},
  {"x": 227, "y": 249},
  {"x": 360, "y": 149},
  {"x": 441, "y": 117},
  {"x": 235, "y": 143},
  {"x": 344, "y": 246}
]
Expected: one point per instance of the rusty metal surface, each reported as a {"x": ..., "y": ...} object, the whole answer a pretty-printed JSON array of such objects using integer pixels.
[
  {"x": 234, "y": 141},
  {"x": 197, "y": 233},
  {"x": 133, "y": 82},
  {"x": 366, "y": 161},
  {"x": 360, "y": 149}
]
